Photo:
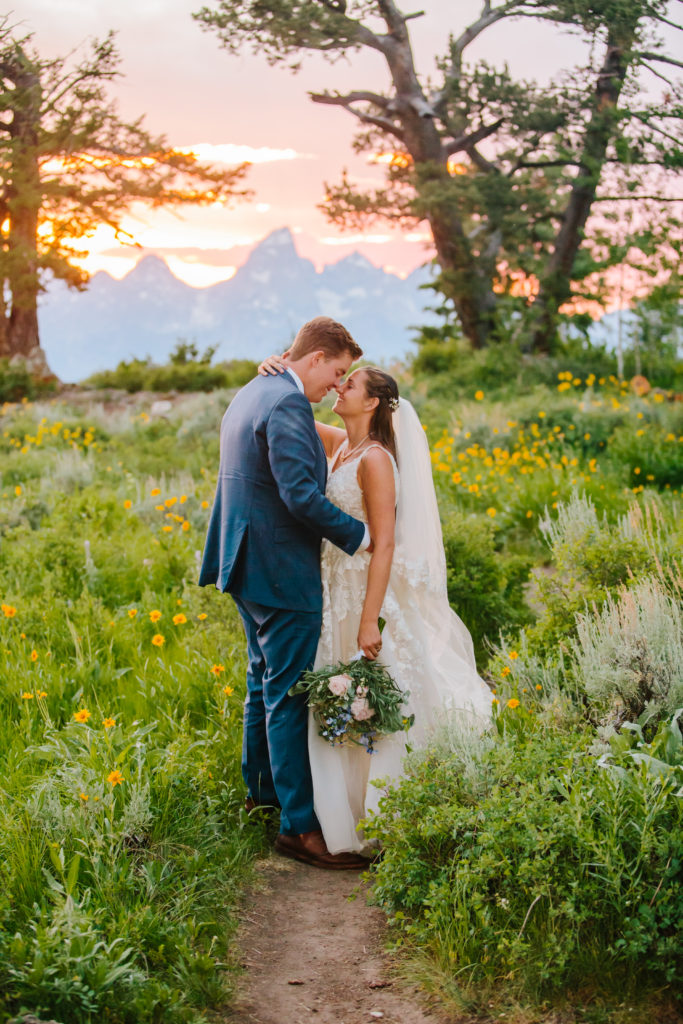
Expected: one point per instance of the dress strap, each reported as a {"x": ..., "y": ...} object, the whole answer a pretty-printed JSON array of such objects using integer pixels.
[{"x": 376, "y": 444}]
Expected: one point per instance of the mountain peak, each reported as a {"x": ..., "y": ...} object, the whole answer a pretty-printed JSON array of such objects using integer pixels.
[
  {"x": 357, "y": 259},
  {"x": 279, "y": 240},
  {"x": 150, "y": 270}
]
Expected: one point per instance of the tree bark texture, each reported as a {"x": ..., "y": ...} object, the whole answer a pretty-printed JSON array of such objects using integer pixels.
[
  {"x": 19, "y": 335},
  {"x": 463, "y": 281},
  {"x": 555, "y": 286}
]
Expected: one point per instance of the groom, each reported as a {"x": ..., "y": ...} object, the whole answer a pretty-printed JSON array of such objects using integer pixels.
[{"x": 263, "y": 547}]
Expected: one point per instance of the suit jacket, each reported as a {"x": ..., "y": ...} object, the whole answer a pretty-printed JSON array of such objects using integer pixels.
[{"x": 270, "y": 511}]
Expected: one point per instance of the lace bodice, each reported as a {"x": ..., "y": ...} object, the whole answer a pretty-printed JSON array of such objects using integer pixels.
[
  {"x": 345, "y": 577},
  {"x": 343, "y": 489}
]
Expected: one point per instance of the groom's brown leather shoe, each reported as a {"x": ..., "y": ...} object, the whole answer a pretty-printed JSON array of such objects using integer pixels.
[{"x": 310, "y": 848}]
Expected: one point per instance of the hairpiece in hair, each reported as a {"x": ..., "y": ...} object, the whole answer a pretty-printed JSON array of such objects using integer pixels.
[{"x": 393, "y": 404}]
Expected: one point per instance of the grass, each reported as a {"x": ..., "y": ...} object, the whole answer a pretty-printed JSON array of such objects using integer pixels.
[{"x": 123, "y": 843}]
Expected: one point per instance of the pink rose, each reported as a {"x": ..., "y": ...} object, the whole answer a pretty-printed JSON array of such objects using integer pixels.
[
  {"x": 361, "y": 710},
  {"x": 339, "y": 685}
]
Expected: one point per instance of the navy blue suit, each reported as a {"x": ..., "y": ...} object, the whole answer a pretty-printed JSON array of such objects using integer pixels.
[{"x": 263, "y": 547}]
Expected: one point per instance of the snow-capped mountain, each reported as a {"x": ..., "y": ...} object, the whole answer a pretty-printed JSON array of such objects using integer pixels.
[{"x": 256, "y": 312}]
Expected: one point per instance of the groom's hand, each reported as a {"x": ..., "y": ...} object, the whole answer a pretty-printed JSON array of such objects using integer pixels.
[{"x": 369, "y": 639}]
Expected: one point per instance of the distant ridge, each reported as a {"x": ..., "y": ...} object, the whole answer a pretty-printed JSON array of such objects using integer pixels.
[{"x": 256, "y": 312}]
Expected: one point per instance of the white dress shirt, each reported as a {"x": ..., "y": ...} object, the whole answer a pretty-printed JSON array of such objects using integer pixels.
[{"x": 365, "y": 543}]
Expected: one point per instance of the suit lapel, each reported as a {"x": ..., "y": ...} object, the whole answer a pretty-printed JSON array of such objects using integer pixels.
[{"x": 319, "y": 454}]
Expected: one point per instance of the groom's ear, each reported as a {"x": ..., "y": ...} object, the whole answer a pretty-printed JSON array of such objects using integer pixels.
[{"x": 317, "y": 357}]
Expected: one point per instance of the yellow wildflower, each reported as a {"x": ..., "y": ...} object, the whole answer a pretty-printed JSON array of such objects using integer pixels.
[
  {"x": 170, "y": 502},
  {"x": 41, "y": 693},
  {"x": 155, "y": 615},
  {"x": 490, "y": 512},
  {"x": 205, "y": 504},
  {"x": 479, "y": 395},
  {"x": 128, "y": 503},
  {"x": 27, "y": 696},
  {"x": 115, "y": 777},
  {"x": 154, "y": 492},
  {"x": 538, "y": 686},
  {"x": 228, "y": 691},
  {"x": 84, "y": 797},
  {"x": 34, "y": 655},
  {"x": 167, "y": 529},
  {"x": 8, "y": 611},
  {"x": 505, "y": 671},
  {"x": 17, "y": 490},
  {"x": 513, "y": 655},
  {"x": 82, "y": 716},
  {"x": 185, "y": 527},
  {"x": 179, "y": 619},
  {"x": 513, "y": 703},
  {"x": 109, "y": 723},
  {"x": 202, "y": 616},
  {"x": 217, "y": 669},
  {"x": 158, "y": 640},
  {"x": 132, "y": 612}
]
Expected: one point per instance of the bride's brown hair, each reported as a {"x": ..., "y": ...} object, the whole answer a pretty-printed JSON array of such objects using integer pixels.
[{"x": 379, "y": 384}]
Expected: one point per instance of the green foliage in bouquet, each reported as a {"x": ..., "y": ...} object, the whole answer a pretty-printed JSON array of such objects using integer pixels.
[{"x": 354, "y": 702}]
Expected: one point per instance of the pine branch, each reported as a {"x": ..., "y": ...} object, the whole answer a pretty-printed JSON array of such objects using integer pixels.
[
  {"x": 647, "y": 55},
  {"x": 463, "y": 142},
  {"x": 628, "y": 199},
  {"x": 481, "y": 162},
  {"x": 345, "y": 101},
  {"x": 658, "y": 74}
]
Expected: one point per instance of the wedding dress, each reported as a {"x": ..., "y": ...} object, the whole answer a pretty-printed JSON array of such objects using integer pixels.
[{"x": 425, "y": 646}]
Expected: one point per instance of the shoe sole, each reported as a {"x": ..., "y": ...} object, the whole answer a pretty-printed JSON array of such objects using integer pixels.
[{"x": 285, "y": 851}]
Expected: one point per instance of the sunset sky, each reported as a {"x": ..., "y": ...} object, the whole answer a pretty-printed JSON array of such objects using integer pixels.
[{"x": 238, "y": 108}]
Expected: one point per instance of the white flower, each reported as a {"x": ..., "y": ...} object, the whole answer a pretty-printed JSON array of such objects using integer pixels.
[
  {"x": 361, "y": 710},
  {"x": 339, "y": 685}
]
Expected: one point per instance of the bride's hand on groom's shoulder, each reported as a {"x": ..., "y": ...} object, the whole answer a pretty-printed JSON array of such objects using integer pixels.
[
  {"x": 369, "y": 639},
  {"x": 272, "y": 365}
]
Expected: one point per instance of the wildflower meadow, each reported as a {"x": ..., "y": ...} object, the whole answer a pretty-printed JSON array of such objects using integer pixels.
[
  {"x": 532, "y": 867},
  {"x": 123, "y": 842}
]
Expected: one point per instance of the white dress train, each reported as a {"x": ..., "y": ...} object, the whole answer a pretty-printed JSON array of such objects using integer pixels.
[{"x": 426, "y": 648}]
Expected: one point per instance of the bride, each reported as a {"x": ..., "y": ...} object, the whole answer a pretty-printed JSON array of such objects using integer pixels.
[{"x": 380, "y": 472}]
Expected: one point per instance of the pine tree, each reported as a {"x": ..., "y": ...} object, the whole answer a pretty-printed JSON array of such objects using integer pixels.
[{"x": 69, "y": 163}]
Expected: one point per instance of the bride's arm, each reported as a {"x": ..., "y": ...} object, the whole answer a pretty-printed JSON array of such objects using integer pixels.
[
  {"x": 331, "y": 437},
  {"x": 376, "y": 478}
]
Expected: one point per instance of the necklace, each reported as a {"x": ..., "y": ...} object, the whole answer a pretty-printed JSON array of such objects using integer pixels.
[{"x": 345, "y": 456}]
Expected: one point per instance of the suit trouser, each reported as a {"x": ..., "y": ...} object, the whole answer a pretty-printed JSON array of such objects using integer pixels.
[{"x": 281, "y": 645}]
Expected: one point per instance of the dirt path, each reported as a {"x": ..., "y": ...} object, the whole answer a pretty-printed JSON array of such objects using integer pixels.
[{"x": 313, "y": 955}]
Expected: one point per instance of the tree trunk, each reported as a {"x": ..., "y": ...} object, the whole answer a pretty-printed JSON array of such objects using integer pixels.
[
  {"x": 555, "y": 285},
  {"x": 20, "y": 338},
  {"x": 462, "y": 280}
]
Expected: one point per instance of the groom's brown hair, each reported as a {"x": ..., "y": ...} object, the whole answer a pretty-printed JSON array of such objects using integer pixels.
[{"x": 323, "y": 334}]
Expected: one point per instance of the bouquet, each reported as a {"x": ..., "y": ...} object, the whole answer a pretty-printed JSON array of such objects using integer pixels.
[{"x": 354, "y": 702}]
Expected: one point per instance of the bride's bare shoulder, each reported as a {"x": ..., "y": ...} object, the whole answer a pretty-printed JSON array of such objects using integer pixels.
[{"x": 376, "y": 465}]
